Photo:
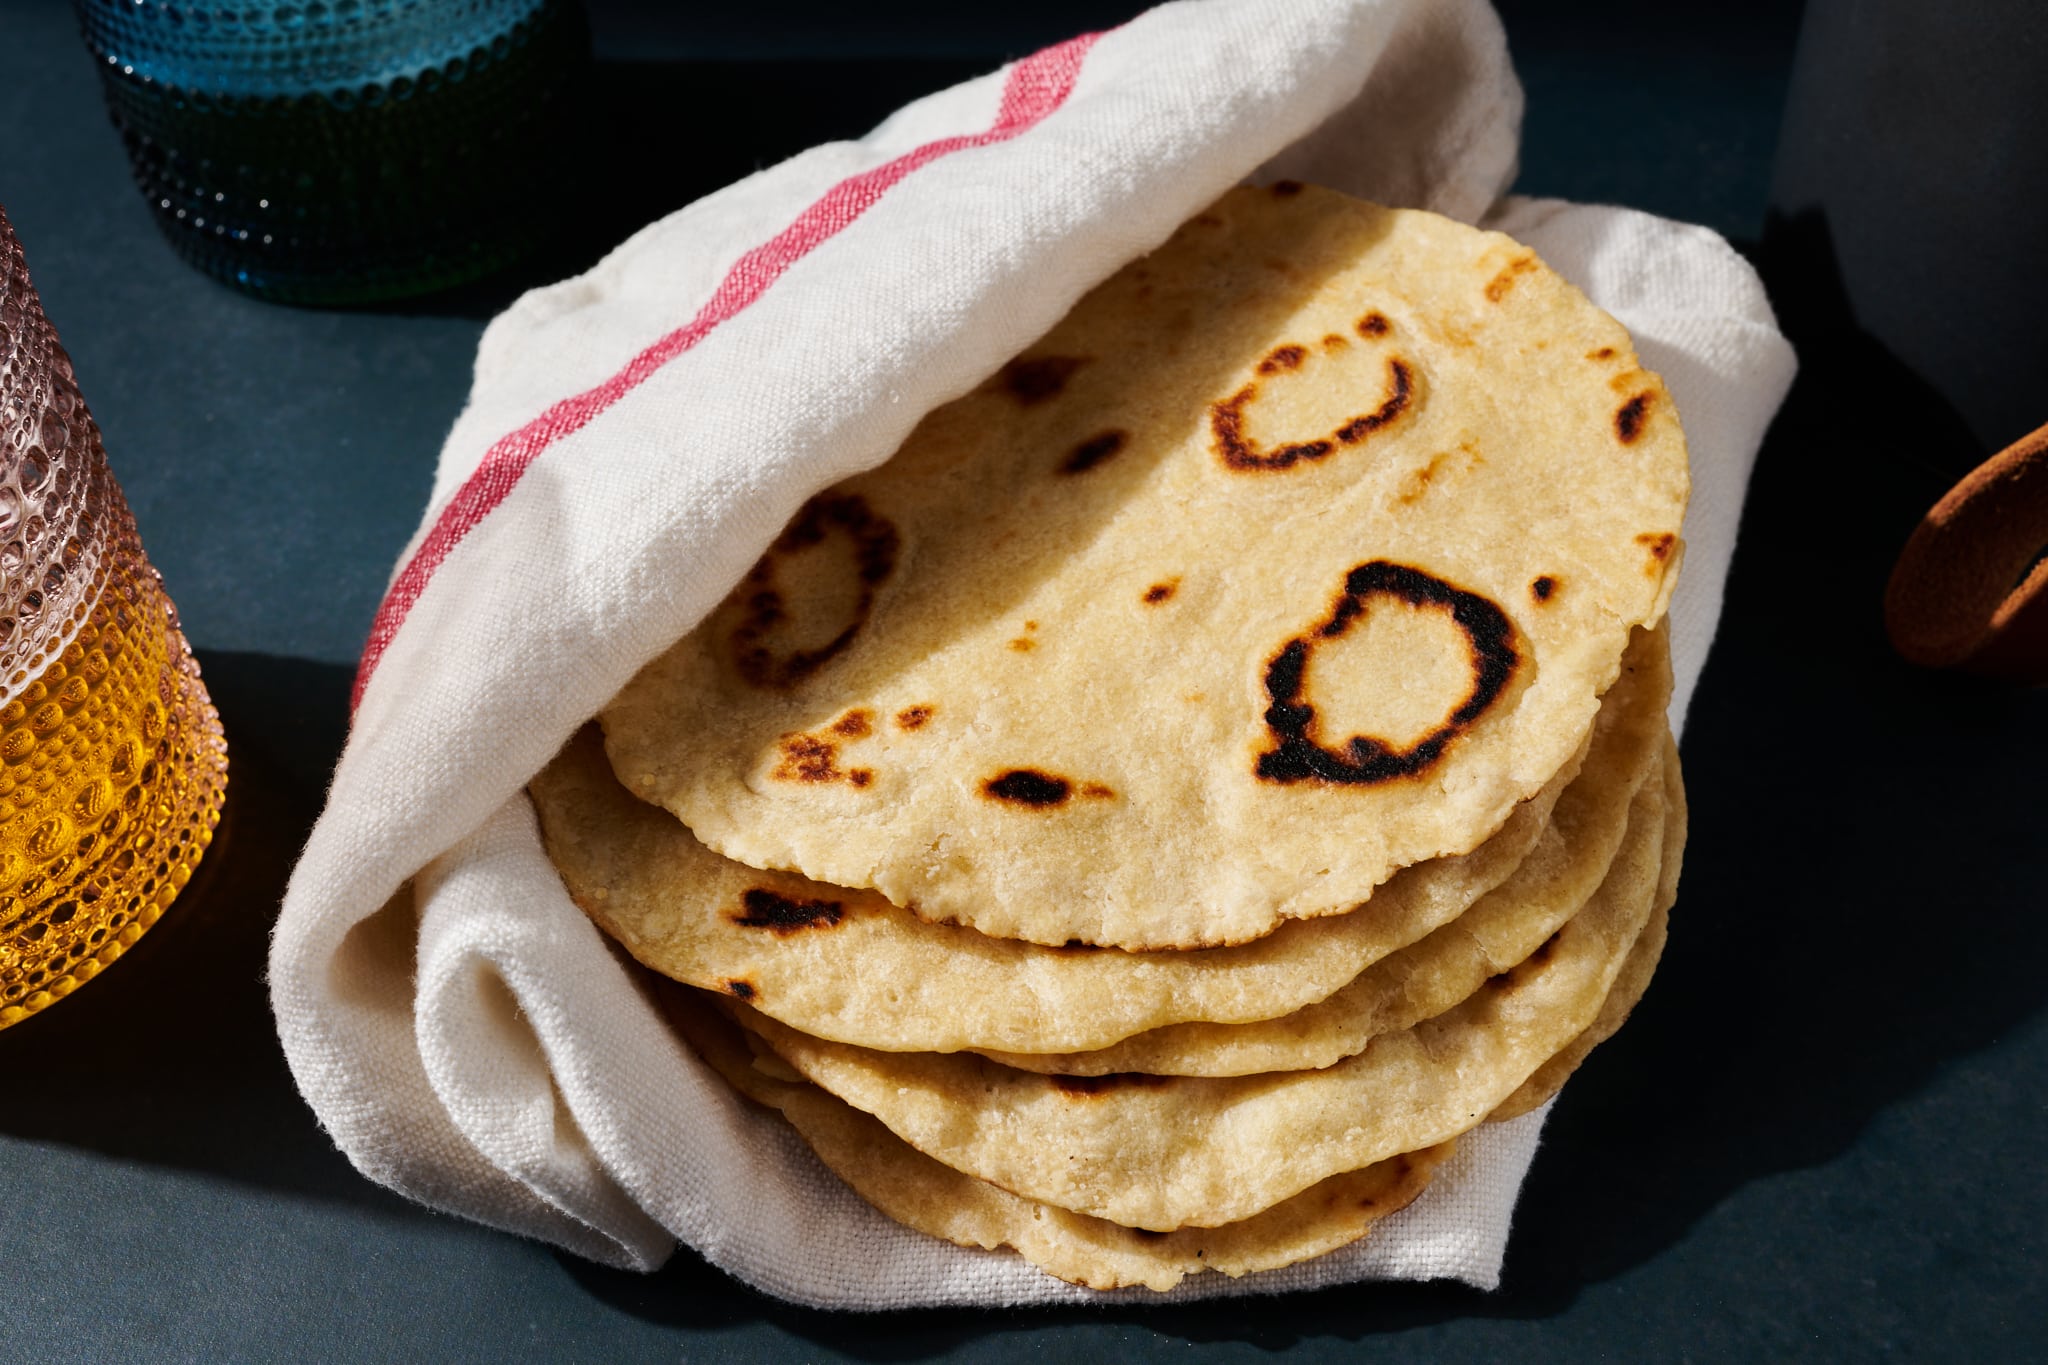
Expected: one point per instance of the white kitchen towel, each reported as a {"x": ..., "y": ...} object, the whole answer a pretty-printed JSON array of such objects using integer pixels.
[{"x": 636, "y": 437}]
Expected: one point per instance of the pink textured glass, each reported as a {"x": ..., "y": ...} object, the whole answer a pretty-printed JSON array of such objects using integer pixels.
[{"x": 112, "y": 766}]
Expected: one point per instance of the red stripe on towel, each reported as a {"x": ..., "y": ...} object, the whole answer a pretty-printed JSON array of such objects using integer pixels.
[{"x": 1037, "y": 85}]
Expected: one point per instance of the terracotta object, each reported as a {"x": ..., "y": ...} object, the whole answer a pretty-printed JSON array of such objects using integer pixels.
[{"x": 1970, "y": 589}]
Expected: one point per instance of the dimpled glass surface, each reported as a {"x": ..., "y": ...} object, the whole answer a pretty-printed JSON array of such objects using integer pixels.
[
  {"x": 348, "y": 151},
  {"x": 112, "y": 765}
]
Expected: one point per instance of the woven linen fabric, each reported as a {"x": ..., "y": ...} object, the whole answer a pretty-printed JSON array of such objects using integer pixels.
[{"x": 637, "y": 436}]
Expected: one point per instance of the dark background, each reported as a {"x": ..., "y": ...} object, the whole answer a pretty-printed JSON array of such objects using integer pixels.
[{"x": 1820, "y": 1136}]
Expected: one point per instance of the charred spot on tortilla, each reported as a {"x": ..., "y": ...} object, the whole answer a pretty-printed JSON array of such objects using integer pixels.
[
  {"x": 1497, "y": 288},
  {"x": 781, "y": 915},
  {"x": 814, "y": 759},
  {"x": 1028, "y": 787},
  {"x": 1094, "y": 451},
  {"x": 875, "y": 545},
  {"x": 1282, "y": 358},
  {"x": 1238, "y": 451},
  {"x": 807, "y": 758},
  {"x": 1631, "y": 417},
  {"x": 914, "y": 717},
  {"x": 1297, "y": 756},
  {"x": 1033, "y": 379}
]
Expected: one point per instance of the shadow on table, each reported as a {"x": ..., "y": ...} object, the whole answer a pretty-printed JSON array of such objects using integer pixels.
[
  {"x": 171, "y": 1056},
  {"x": 1860, "y": 907}
]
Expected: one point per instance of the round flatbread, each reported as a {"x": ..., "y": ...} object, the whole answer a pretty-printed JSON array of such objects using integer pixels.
[
  {"x": 1299, "y": 552},
  {"x": 848, "y": 966},
  {"x": 1164, "y": 1152},
  {"x": 1634, "y": 979},
  {"x": 920, "y": 1193},
  {"x": 1501, "y": 930}
]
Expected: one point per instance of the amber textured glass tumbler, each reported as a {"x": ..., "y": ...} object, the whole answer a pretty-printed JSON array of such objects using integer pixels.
[{"x": 112, "y": 766}]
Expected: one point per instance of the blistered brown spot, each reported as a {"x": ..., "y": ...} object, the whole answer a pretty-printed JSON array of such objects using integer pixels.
[
  {"x": 814, "y": 758},
  {"x": 1286, "y": 189},
  {"x": 1161, "y": 591},
  {"x": 1023, "y": 644},
  {"x": 914, "y": 717},
  {"x": 1101, "y": 1085},
  {"x": 1334, "y": 342},
  {"x": 1497, "y": 288},
  {"x": 1033, "y": 379},
  {"x": 1283, "y": 358},
  {"x": 857, "y": 723},
  {"x": 1299, "y": 756},
  {"x": 741, "y": 988},
  {"x": 1418, "y": 481},
  {"x": 1629, "y": 420},
  {"x": 1028, "y": 787},
  {"x": 1542, "y": 588},
  {"x": 807, "y": 758},
  {"x": 1659, "y": 544},
  {"x": 1604, "y": 353},
  {"x": 1374, "y": 325},
  {"x": 1239, "y": 451},
  {"x": 1093, "y": 451},
  {"x": 875, "y": 547},
  {"x": 781, "y": 916},
  {"x": 1097, "y": 791}
]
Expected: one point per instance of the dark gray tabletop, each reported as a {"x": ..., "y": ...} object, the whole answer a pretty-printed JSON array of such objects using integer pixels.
[{"x": 1819, "y": 1136}]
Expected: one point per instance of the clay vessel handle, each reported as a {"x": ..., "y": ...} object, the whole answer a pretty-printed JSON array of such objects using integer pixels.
[{"x": 1970, "y": 589}]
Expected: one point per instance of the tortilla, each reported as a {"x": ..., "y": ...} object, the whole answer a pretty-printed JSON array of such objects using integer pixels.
[
  {"x": 1164, "y": 1153},
  {"x": 1628, "y": 987},
  {"x": 934, "y": 1199},
  {"x": 1501, "y": 931},
  {"x": 1299, "y": 552},
  {"x": 848, "y": 966}
]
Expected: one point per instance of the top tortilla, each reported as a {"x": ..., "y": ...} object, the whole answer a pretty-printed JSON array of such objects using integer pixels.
[{"x": 1299, "y": 551}]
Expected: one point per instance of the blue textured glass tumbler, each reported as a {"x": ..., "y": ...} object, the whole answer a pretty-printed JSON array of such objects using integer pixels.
[{"x": 347, "y": 151}]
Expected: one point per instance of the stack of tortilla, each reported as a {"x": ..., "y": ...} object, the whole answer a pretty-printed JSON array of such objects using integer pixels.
[{"x": 1213, "y": 765}]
